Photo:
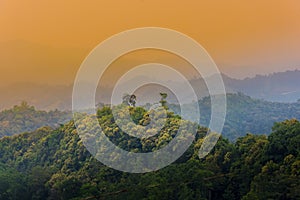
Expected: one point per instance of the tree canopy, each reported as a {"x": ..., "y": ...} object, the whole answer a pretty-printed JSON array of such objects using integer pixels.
[{"x": 53, "y": 164}]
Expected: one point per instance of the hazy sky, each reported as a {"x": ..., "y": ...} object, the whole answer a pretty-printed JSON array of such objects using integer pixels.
[{"x": 45, "y": 41}]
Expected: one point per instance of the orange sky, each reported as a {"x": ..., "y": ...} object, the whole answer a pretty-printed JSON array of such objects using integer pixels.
[{"x": 45, "y": 41}]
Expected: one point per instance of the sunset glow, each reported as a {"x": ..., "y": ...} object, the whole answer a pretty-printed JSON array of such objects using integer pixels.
[{"x": 46, "y": 41}]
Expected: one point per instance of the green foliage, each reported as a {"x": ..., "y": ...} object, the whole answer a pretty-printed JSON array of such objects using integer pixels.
[
  {"x": 163, "y": 101},
  {"x": 279, "y": 177},
  {"x": 244, "y": 114},
  {"x": 54, "y": 164},
  {"x": 25, "y": 118},
  {"x": 12, "y": 184}
]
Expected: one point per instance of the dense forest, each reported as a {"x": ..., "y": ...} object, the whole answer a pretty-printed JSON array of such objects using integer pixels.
[
  {"x": 244, "y": 114},
  {"x": 53, "y": 164},
  {"x": 22, "y": 118}
]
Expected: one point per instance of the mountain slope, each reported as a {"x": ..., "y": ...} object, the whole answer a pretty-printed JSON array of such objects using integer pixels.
[
  {"x": 244, "y": 114},
  {"x": 278, "y": 87},
  {"x": 25, "y": 118},
  {"x": 53, "y": 164}
]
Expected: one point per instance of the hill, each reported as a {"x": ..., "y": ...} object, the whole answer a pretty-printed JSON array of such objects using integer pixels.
[
  {"x": 43, "y": 97},
  {"x": 276, "y": 87},
  {"x": 244, "y": 114},
  {"x": 54, "y": 164},
  {"x": 25, "y": 118}
]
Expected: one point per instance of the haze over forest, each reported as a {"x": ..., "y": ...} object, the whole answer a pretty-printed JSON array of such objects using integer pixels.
[{"x": 44, "y": 151}]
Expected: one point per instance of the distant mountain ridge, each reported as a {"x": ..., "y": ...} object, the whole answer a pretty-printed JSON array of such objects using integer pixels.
[{"x": 276, "y": 87}]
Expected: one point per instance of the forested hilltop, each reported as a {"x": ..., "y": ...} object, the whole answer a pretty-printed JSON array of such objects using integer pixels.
[
  {"x": 244, "y": 114},
  {"x": 53, "y": 164},
  {"x": 22, "y": 118}
]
